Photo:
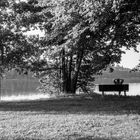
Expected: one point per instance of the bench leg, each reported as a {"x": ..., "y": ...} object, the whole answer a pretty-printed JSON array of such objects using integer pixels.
[
  {"x": 119, "y": 93},
  {"x": 124, "y": 93},
  {"x": 103, "y": 94}
]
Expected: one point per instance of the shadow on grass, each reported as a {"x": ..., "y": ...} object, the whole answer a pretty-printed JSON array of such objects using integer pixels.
[{"x": 81, "y": 104}]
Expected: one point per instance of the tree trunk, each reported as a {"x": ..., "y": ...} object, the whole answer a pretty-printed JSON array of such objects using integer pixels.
[
  {"x": 1, "y": 63},
  {"x": 1, "y": 54},
  {"x": 63, "y": 72},
  {"x": 75, "y": 77},
  {"x": 69, "y": 82}
]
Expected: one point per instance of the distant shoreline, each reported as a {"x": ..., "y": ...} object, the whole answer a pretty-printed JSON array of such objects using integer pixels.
[
  {"x": 129, "y": 77},
  {"x": 110, "y": 81}
]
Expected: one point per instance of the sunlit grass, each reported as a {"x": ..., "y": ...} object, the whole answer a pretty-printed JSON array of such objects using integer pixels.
[
  {"x": 78, "y": 118},
  {"x": 32, "y": 125}
]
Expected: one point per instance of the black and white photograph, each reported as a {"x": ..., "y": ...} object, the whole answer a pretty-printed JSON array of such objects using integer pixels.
[{"x": 69, "y": 69}]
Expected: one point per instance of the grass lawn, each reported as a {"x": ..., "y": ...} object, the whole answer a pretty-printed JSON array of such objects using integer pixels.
[{"x": 73, "y": 118}]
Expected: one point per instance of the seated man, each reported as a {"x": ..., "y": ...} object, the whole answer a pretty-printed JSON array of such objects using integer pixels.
[{"x": 118, "y": 81}]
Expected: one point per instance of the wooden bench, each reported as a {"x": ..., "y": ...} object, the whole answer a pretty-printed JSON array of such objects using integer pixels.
[{"x": 111, "y": 88}]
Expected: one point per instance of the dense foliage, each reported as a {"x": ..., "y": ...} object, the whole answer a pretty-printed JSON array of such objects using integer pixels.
[{"x": 17, "y": 49}]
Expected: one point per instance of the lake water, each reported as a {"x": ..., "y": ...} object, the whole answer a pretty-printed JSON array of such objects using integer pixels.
[
  {"x": 23, "y": 97},
  {"x": 134, "y": 89}
]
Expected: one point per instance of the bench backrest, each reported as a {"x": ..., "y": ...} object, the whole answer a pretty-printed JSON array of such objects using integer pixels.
[{"x": 124, "y": 87}]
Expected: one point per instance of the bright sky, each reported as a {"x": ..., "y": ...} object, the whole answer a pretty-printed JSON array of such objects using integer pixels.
[{"x": 130, "y": 59}]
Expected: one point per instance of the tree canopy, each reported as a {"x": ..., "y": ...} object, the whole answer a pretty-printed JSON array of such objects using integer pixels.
[{"x": 82, "y": 37}]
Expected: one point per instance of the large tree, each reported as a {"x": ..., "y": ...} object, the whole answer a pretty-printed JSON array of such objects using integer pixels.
[
  {"x": 82, "y": 37},
  {"x": 87, "y": 36}
]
